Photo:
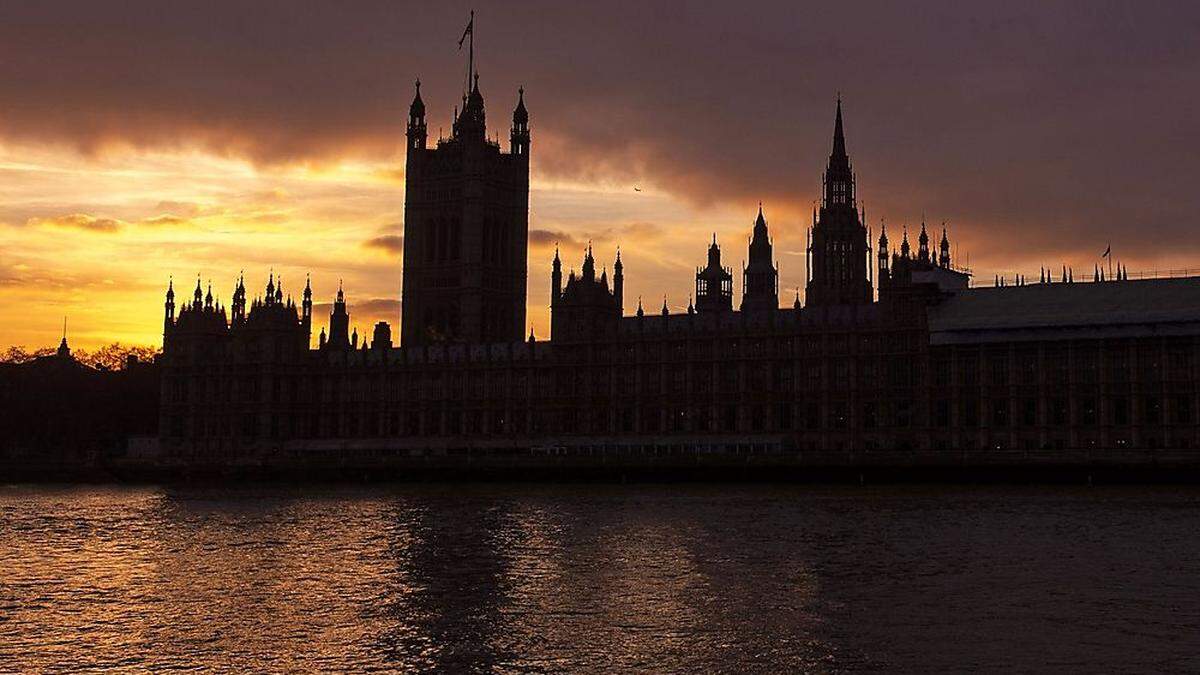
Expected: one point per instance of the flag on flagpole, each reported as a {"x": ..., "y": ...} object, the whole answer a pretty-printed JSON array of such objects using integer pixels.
[
  {"x": 469, "y": 30},
  {"x": 1107, "y": 251}
]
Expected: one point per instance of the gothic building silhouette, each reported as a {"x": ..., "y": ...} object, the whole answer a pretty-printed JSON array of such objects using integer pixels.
[
  {"x": 466, "y": 228},
  {"x": 892, "y": 348}
]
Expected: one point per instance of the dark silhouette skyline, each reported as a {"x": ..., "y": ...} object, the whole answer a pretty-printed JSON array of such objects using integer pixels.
[
  {"x": 1028, "y": 128},
  {"x": 891, "y": 350}
]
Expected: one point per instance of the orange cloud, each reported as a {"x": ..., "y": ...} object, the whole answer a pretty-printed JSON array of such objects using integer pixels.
[
  {"x": 78, "y": 221},
  {"x": 166, "y": 220},
  {"x": 392, "y": 244},
  {"x": 185, "y": 209}
]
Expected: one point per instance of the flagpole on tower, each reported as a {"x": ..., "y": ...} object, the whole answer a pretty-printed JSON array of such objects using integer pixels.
[{"x": 469, "y": 32}]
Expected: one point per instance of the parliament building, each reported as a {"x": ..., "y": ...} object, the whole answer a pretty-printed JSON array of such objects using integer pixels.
[{"x": 892, "y": 350}]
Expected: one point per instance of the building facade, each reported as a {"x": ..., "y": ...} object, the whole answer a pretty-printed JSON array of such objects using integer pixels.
[
  {"x": 893, "y": 350},
  {"x": 466, "y": 229}
]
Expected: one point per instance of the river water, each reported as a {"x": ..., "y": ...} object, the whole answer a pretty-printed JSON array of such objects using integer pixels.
[{"x": 535, "y": 578}]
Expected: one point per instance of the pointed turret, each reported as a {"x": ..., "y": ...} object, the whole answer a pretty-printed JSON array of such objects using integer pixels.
[
  {"x": 589, "y": 265},
  {"x": 519, "y": 139},
  {"x": 944, "y": 258},
  {"x": 169, "y": 306},
  {"x": 619, "y": 283},
  {"x": 339, "y": 322},
  {"x": 239, "y": 300},
  {"x": 760, "y": 278},
  {"x": 306, "y": 311},
  {"x": 714, "y": 283},
  {"x": 556, "y": 279},
  {"x": 470, "y": 124},
  {"x": 416, "y": 110},
  {"x": 520, "y": 114},
  {"x": 417, "y": 134},
  {"x": 883, "y": 272}
]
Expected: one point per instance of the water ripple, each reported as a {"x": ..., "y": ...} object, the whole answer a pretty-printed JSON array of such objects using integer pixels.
[{"x": 593, "y": 579}]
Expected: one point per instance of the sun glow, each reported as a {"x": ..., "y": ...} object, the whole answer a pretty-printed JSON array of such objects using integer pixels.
[{"x": 95, "y": 238}]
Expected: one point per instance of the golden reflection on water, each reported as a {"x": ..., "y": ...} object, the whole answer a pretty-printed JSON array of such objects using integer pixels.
[{"x": 571, "y": 578}]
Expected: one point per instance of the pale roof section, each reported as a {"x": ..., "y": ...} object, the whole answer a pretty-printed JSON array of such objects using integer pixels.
[{"x": 1064, "y": 311}]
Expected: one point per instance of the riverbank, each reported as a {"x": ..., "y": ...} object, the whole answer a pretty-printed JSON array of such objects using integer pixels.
[{"x": 629, "y": 465}]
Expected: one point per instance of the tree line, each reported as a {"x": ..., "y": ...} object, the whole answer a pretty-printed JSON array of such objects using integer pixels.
[{"x": 114, "y": 356}]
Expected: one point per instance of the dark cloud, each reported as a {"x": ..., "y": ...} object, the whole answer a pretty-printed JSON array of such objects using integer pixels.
[
  {"x": 1030, "y": 126},
  {"x": 392, "y": 244},
  {"x": 541, "y": 239}
]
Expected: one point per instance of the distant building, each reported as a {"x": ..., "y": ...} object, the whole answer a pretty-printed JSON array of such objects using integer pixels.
[
  {"x": 60, "y": 412},
  {"x": 929, "y": 364}
]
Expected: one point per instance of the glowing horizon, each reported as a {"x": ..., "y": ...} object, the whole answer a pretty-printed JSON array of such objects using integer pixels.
[{"x": 279, "y": 145}]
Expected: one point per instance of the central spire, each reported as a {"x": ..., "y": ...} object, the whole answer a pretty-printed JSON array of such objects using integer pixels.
[
  {"x": 839, "y": 138},
  {"x": 839, "y": 177}
]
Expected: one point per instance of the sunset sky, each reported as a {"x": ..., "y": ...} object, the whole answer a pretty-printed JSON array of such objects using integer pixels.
[{"x": 141, "y": 140}]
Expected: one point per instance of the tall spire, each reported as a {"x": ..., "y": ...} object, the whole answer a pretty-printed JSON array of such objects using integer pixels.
[
  {"x": 839, "y": 178},
  {"x": 839, "y": 136},
  {"x": 63, "y": 350}
]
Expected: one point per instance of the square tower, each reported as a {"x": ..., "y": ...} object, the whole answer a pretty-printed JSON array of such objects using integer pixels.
[{"x": 466, "y": 230}]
